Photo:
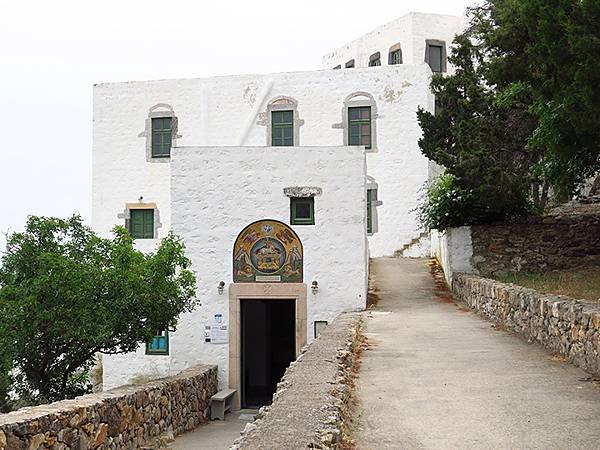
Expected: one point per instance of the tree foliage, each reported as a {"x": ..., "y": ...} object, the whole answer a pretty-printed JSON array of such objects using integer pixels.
[
  {"x": 549, "y": 49},
  {"x": 478, "y": 139},
  {"x": 522, "y": 111},
  {"x": 66, "y": 294}
]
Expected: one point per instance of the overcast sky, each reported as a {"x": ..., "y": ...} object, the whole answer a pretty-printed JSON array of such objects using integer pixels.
[{"x": 53, "y": 51}]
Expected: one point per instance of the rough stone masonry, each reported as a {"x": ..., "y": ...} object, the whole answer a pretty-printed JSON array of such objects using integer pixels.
[
  {"x": 561, "y": 324},
  {"x": 568, "y": 237},
  {"x": 130, "y": 417}
]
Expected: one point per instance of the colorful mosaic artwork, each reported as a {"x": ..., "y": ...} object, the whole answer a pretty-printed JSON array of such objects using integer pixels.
[{"x": 267, "y": 251}]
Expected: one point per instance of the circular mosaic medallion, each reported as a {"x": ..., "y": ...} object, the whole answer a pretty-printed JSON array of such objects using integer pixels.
[{"x": 267, "y": 255}]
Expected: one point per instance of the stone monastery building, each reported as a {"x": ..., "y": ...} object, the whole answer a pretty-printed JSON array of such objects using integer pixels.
[{"x": 282, "y": 186}]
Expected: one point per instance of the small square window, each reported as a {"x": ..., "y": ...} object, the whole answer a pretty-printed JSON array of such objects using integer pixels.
[
  {"x": 359, "y": 126},
  {"x": 159, "y": 344},
  {"x": 162, "y": 136},
  {"x": 141, "y": 223},
  {"x": 349, "y": 64},
  {"x": 302, "y": 211}
]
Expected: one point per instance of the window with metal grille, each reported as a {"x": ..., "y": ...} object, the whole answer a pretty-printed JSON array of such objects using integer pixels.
[
  {"x": 359, "y": 126},
  {"x": 282, "y": 128},
  {"x": 141, "y": 223},
  {"x": 162, "y": 136},
  {"x": 395, "y": 57},
  {"x": 159, "y": 345},
  {"x": 302, "y": 211}
]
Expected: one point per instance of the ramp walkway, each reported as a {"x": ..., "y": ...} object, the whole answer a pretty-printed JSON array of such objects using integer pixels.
[{"x": 437, "y": 376}]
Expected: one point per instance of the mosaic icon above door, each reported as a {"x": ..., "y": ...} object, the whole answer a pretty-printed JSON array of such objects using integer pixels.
[{"x": 267, "y": 251}]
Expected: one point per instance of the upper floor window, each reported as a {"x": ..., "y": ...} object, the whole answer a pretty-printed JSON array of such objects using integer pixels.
[
  {"x": 435, "y": 55},
  {"x": 141, "y": 223},
  {"x": 375, "y": 59},
  {"x": 359, "y": 126},
  {"x": 282, "y": 128},
  {"x": 162, "y": 136},
  {"x": 339, "y": 66},
  {"x": 160, "y": 132},
  {"x": 350, "y": 64},
  {"x": 395, "y": 55}
]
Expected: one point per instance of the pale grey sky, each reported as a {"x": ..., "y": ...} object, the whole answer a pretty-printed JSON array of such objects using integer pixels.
[{"x": 53, "y": 51}]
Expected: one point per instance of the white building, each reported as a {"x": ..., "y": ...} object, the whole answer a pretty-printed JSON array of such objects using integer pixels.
[
  {"x": 413, "y": 39},
  {"x": 293, "y": 169}
]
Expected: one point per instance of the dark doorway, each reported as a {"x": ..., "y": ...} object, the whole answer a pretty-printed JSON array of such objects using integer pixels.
[{"x": 268, "y": 341}]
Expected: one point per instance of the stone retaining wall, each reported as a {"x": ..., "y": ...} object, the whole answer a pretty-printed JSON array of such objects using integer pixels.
[
  {"x": 555, "y": 242},
  {"x": 561, "y": 324},
  {"x": 309, "y": 406},
  {"x": 130, "y": 417},
  {"x": 566, "y": 238}
]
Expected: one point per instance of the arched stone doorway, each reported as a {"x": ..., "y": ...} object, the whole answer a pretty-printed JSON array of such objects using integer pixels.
[{"x": 267, "y": 309}]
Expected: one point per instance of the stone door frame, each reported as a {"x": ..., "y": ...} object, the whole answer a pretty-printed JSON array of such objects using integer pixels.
[{"x": 262, "y": 291}]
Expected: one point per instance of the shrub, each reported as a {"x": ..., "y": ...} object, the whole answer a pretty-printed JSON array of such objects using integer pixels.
[{"x": 445, "y": 204}]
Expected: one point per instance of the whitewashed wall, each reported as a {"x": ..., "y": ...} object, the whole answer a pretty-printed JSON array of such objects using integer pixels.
[
  {"x": 410, "y": 30},
  {"x": 226, "y": 111},
  {"x": 453, "y": 249},
  {"x": 216, "y": 192}
]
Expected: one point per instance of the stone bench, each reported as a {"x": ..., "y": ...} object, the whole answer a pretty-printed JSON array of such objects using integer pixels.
[{"x": 220, "y": 403}]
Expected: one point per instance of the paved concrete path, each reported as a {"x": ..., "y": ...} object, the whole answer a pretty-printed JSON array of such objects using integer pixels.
[
  {"x": 438, "y": 376},
  {"x": 217, "y": 434}
]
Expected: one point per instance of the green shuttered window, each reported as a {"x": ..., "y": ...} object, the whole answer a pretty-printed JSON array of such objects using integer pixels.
[
  {"x": 302, "y": 211},
  {"x": 282, "y": 128},
  {"x": 141, "y": 223},
  {"x": 395, "y": 57},
  {"x": 359, "y": 126},
  {"x": 159, "y": 345},
  {"x": 369, "y": 210},
  {"x": 162, "y": 136}
]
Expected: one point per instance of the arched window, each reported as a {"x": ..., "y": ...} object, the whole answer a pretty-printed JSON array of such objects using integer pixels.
[
  {"x": 283, "y": 122},
  {"x": 160, "y": 131},
  {"x": 359, "y": 120}
]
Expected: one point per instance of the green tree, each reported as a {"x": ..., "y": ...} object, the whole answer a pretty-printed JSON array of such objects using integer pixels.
[
  {"x": 549, "y": 50},
  {"x": 66, "y": 294},
  {"x": 479, "y": 140},
  {"x": 5, "y": 373},
  {"x": 522, "y": 112}
]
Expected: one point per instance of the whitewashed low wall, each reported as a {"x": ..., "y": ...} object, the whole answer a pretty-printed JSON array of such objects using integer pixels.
[{"x": 453, "y": 249}]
